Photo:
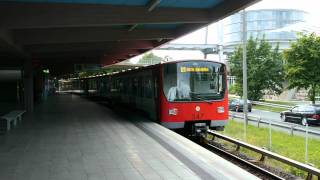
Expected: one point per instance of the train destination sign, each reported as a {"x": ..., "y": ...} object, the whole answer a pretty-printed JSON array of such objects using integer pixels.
[{"x": 194, "y": 69}]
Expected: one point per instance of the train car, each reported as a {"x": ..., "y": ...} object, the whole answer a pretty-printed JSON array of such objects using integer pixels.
[{"x": 190, "y": 94}]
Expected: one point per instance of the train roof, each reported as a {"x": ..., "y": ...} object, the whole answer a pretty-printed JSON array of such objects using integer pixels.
[
  {"x": 150, "y": 67},
  {"x": 186, "y": 60}
]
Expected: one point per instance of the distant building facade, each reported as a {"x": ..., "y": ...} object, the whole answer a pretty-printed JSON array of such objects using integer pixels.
[
  {"x": 264, "y": 22},
  {"x": 275, "y": 25}
]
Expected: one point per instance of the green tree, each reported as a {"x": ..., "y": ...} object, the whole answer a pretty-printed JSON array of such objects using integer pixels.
[
  {"x": 150, "y": 58},
  {"x": 303, "y": 64},
  {"x": 265, "y": 69}
]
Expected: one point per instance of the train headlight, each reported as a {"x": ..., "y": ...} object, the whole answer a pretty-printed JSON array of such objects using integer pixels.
[
  {"x": 173, "y": 111},
  {"x": 198, "y": 108},
  {"x": 220, "y": 109}
]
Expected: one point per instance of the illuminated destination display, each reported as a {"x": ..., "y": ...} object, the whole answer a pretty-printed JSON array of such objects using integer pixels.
[{"x": 194, "y": 69}]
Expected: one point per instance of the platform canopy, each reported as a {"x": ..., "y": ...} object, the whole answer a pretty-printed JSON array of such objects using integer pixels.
[{"x": 60, "y": 33}]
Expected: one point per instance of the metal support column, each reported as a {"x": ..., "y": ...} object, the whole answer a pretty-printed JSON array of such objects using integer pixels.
[{"x": 28, "y": 85}]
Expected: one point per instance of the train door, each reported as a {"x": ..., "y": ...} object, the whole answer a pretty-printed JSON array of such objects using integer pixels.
[{"x": 156, "y": 92}]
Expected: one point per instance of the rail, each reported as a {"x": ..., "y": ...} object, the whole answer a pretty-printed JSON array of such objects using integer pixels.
[
  {"x": 257, "y": 169},
  {"x": 290, "y": 126},
  {"x": 265, "y": 153}
]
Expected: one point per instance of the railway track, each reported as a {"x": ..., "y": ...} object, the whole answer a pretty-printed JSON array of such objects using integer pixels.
[
  {"x": 243, "y": 163},
  {"x": 258, "y": 167}
]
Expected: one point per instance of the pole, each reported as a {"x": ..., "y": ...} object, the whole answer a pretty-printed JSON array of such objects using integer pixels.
[
  {"x": 270, "y": 136},
  {"x": 205, "y": 55},
  {"x": 220, "y": 49},
  {"x": 307, "y": 143},
  {"x": 206, "y": 42},
  {"x": 244, "y": 65},
  {"x": 28, "y": 86},
  {"x": 206, "y": 36}
]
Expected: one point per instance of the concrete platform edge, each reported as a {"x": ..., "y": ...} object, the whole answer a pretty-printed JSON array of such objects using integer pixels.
[{"x": 203, "y": 162}]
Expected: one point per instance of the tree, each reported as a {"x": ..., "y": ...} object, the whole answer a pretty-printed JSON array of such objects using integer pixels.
[
  {"x": 265, "y": 69},
  {"x": 303, "y": 64},
  {"x": 150, "y": 58}
]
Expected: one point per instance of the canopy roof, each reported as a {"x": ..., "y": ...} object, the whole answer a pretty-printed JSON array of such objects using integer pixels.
[{"x": 60, "y": 33}]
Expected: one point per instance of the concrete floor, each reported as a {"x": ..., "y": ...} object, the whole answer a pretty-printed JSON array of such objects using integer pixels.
[{"x": 69, "y": 137}]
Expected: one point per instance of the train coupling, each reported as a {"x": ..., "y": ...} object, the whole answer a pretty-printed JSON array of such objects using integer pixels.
[{"x": 199, "y": 129}]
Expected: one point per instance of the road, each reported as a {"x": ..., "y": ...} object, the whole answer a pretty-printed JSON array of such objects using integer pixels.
[{"x": 267, "y": 115}]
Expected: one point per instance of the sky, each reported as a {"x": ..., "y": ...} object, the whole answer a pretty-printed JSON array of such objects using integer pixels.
[{"x": 198, "y": 37}]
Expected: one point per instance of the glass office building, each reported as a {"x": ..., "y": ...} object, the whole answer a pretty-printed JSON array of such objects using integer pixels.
[{"x": 265, "y": 22}]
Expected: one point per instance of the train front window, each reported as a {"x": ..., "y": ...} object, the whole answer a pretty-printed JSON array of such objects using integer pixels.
[{"x": 194, "y": 81}]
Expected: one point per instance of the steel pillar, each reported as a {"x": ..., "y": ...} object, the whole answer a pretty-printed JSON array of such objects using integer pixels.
[{"x": 28, "y": 86}]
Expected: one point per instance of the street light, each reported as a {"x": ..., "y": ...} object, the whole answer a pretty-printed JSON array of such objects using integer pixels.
[{"x": 244, "y": 66}]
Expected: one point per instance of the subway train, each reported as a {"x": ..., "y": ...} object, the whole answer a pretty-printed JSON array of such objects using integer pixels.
[{"x": 189, "y": 94}]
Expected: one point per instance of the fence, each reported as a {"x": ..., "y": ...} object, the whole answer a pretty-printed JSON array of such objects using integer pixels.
[{"x": 289, "y": 126}]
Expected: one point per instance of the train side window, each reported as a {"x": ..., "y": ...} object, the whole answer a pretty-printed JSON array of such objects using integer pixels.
[
  {"x": 155, "y": 87},
  {"x": 148, "y": 87},
  {"x": 121, "y": 85},
  {"x": 130, "y": 86},
  {"x": 141, "y": 86},
  {"x": 135, "y": 86},
  {"x": 144, "y": 87},
  {"x": 125, "y": 85}
]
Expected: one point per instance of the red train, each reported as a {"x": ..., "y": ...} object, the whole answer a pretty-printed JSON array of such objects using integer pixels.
[{"x": 189, "y": 94}]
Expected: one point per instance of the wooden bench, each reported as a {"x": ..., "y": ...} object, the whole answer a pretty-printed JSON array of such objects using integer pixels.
[{"x": 13, "y": 116}]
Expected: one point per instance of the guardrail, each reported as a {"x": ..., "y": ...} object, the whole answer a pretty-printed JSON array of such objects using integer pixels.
[
  {"x": 291, "y": 127},
  {"x": 265, "y": 153},
  {"x": 265, "y": 103},
  {"x": 271, "y": 104}
]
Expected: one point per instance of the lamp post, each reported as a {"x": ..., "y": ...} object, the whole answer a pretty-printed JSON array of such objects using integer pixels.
[{"x": 244, "y": 66}]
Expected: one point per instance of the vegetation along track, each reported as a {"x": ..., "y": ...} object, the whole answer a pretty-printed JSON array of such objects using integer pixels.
[
  {"x": 254, "y": 167},
  {"x": 213, "y": 141}
]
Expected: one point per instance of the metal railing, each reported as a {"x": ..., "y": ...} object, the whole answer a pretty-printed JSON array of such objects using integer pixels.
[
  {"x": 265, "y": 103},
  {"x": 265, "y": 153},
  {"x": 271, "y": 104},
  {"x": 286, "y": 125}
]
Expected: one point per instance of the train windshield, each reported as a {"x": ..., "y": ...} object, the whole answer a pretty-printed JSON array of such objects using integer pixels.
[{"x": 194, "y": 81}]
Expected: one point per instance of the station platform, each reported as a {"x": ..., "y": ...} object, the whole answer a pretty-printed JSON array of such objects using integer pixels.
[{"x": 69, "y": 137}]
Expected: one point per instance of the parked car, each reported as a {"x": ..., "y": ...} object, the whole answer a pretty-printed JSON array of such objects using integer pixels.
[
  {"x": 302, "y": 114},
  {"x": 237, "y": 105}
]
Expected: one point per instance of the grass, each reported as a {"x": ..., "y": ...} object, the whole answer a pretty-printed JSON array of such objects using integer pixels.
[
  {"x": 282, "y": 143},
  {"x": 269, "y": 108}
]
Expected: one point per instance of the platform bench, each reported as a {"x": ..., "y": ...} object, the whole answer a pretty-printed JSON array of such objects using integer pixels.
[{"x": 12, "y": 117}]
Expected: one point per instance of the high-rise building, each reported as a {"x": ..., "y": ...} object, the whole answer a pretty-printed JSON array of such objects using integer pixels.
[
  {"x": 262, "y": 22},
  {"x": 277, "y": 26}
]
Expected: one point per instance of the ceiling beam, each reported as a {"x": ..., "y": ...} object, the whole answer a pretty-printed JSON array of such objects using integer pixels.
[
  {"x": 47, "y": 15},
  {"x": 227, "y": 8},
  {"x": 153, "y": 4},
  {"x": 68, "y": 56},
  {"x": 99, "y": 46},
  {"x": 68, "y": 60},
  {"x": 222, "y": 10},
  {"x": 80, "y": 35},
  {"x": 133, "y": 27},
  {"x": 118, "y": 56},
  {"x": 7, "y": 43}
]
